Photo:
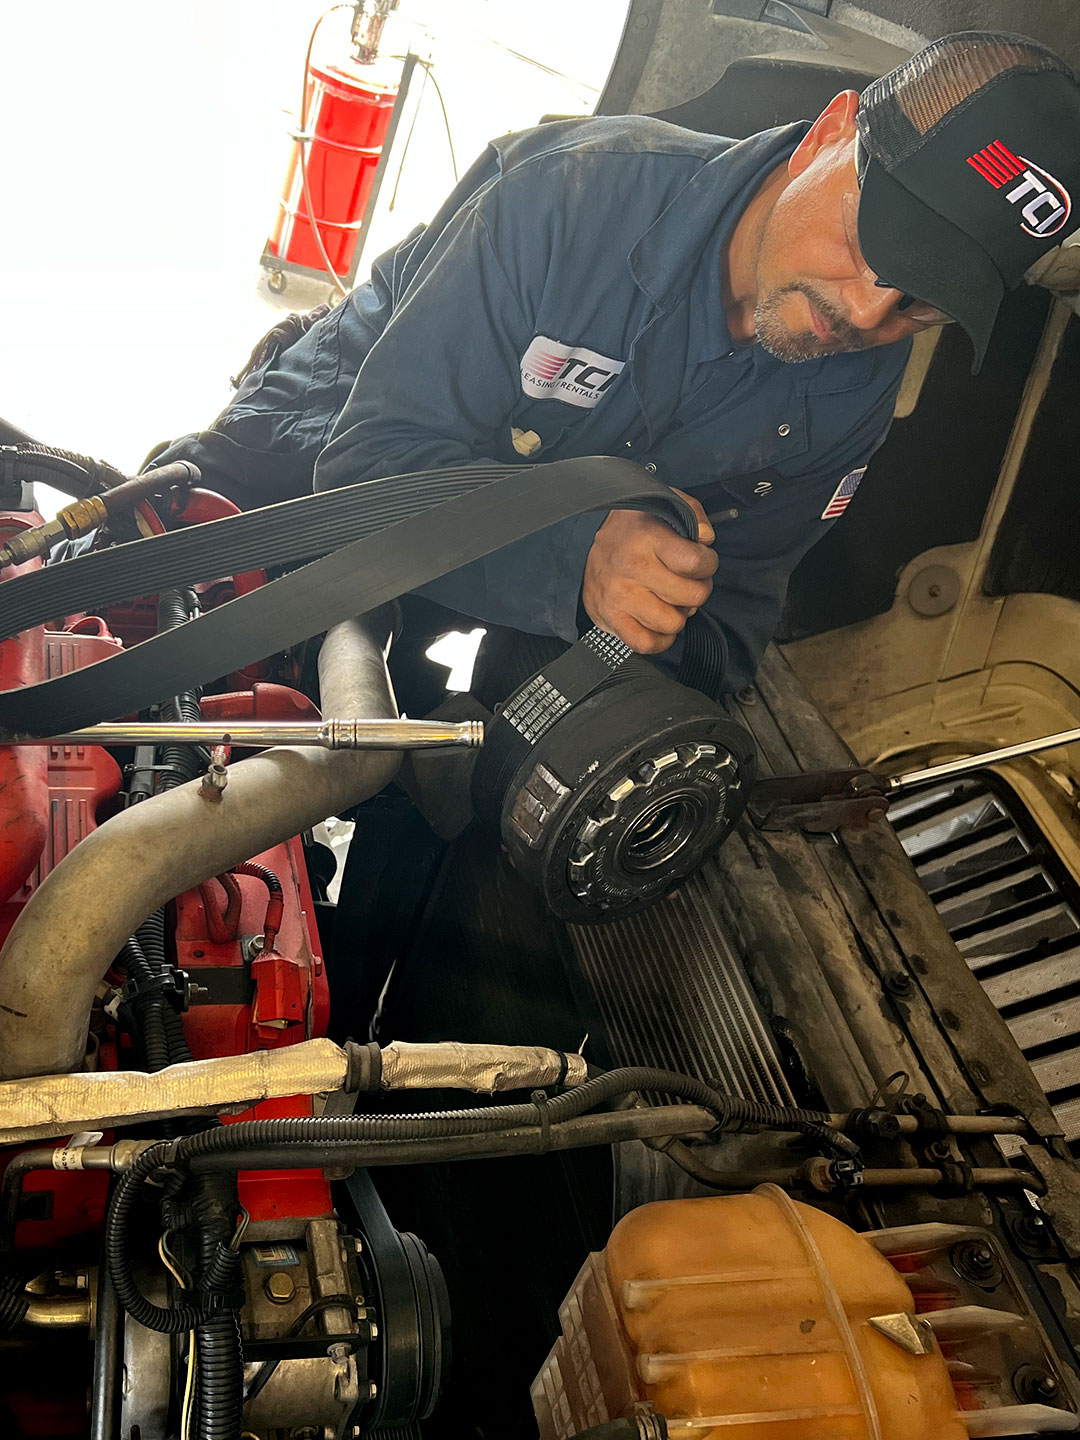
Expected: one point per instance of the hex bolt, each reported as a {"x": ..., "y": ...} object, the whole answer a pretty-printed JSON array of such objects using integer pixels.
[
  {"x": 899, "y": 983},
  {"x": 975, "y": 1260},
  {"x": 1031, "y": 1232},
  {"x": 1035, "y": 1386},
  {"x": 280, "y": 1287}
]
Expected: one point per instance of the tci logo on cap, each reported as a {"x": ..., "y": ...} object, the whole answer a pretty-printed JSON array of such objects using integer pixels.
[{"x": 1046, "y": 201}]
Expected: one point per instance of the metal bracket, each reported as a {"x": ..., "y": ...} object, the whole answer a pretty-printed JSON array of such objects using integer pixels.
[{"x": 819, "y": 803}]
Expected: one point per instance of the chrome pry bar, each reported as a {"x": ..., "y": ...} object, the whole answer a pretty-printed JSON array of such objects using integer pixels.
[{"x": 330, "y": 734}]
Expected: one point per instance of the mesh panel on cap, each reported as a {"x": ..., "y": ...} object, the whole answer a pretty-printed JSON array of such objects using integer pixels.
[{"x": 899, "y": 110}]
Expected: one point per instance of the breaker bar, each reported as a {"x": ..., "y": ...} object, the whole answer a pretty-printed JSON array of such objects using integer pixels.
[{"x": 330, "y": 734}]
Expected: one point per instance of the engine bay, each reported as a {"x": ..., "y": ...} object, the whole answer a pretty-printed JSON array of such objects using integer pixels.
[{"x": 650, "y": 1102}]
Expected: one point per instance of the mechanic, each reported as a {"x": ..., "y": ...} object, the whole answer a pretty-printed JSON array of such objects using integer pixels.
[{"x": 734, "y": 316}]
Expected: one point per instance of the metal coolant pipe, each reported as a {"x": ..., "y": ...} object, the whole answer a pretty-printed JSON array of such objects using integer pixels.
[{"x": 74, "y": 925}]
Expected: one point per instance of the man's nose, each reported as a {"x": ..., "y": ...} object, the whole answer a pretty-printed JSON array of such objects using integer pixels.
[{"x": 870, "y": 305}]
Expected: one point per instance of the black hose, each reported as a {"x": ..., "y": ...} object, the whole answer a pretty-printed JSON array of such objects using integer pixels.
[
  {"x": 151, "y": 936},
  {"x": 219, "y": 1371},
  {"x": 167, "y": 1320},
  {"x": 106, "y": 1390},
  {"x": 146, "y": 1007},
  {"x": 634, "y": 1427},
  {"x": 160, "y": 1030},
  {"x": 65, "y": 470},
  {"x": 330, "y": 1134}
]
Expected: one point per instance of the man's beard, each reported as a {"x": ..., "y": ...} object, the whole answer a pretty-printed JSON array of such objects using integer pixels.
[{"x": 793, "y": 347}]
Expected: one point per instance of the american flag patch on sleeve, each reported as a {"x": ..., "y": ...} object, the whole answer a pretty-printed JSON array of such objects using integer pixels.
[{"x": 842, "y": 494}]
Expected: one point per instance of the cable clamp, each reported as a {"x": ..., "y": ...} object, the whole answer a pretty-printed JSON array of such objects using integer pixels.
[
  {"x": 540, "y": 1099},
  {"x": 214, "y": 1301},
  {"x": 956, "y": 1178},
  {"x": 846, "y": 1174},
  {"x": 174, "y": 986}
]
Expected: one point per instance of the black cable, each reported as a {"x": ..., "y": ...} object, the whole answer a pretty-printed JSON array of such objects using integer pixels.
[
  {"x": 146, "y": 1006},
  {"x": 266, "y": 1370},
  {"x": 219, "y": 1366}
]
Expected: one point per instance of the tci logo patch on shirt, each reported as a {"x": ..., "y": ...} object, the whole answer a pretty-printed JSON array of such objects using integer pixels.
[{"x": 551, "y": 370}]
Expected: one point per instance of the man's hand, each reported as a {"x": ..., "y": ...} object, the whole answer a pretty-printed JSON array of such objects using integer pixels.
[{"x": 643, "y": 582}]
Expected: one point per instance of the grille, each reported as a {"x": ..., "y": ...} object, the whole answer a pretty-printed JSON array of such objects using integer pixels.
[
  {"x": 1014, "y": 916},
  {"x": 672, "y": 992}
]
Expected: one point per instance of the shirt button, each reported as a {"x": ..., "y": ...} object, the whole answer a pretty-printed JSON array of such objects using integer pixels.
[
  {"x": 784, "y": 430},
  {"x": 651, "y": 468}
]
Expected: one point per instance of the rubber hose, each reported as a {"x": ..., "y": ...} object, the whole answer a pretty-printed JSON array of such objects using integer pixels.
[
  {"x": 151, "y": 936},
  {"x": 341, "y": 1130},
  {"x": 147, "y": 1008},
  {"x": 354, "y": 1129},
  {"x": 813, "y": 1123},
  {"x": 164, "y": 1041},
  {"x": 634, "y": 1427},
  {"x": 167, "y": 1320},
  {"x": 14, "y": 1303},
  {"x": 219, "y": 1371}
]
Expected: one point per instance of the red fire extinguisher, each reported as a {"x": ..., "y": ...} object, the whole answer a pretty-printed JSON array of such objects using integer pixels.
[{"x": 347, "y": 122}]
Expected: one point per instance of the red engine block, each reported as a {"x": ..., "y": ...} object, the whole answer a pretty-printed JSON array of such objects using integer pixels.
[{"x": 51, "y": 797}]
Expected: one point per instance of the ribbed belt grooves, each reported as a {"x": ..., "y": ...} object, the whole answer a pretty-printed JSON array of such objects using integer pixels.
[
  {"x": 291, "y": 532},
  {"x": 431, "y": 540}
]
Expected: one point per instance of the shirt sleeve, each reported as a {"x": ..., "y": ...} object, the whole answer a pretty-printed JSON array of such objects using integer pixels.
[
  {"x": 439, "y": 385},
  {"x": 759, "y": 549}
]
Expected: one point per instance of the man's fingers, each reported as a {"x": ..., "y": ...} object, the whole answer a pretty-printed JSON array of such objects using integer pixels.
[
  {"x": 654, "y": 614},
  {"x": 685, "y": 557},
  {"x": 640, "y": 638},
  {"x": 678, "y": 591},
  {"x": 706, "y": 533}
]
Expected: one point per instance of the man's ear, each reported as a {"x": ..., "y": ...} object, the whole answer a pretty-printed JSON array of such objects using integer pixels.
[{"x": 835, "y": 125}]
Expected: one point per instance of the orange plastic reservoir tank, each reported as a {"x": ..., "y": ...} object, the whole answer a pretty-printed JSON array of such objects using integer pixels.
[{"x": 744, "y": 1317}]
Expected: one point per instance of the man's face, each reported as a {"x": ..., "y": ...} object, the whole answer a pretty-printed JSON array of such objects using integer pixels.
[{"x": 816, "y": 295}]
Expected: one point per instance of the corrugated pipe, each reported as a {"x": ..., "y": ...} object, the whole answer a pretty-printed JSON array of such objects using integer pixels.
[{"x": 75, "y": 924}]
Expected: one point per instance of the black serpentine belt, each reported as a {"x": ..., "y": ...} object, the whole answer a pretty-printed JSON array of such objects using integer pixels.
[{"x": 376, "y": 541}]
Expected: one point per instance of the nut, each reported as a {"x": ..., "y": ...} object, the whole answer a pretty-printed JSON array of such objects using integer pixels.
[{"x": 280, "y": 1287}]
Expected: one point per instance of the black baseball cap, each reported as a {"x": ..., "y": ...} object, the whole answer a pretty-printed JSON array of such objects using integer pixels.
[{"x": 969, "y": 164}]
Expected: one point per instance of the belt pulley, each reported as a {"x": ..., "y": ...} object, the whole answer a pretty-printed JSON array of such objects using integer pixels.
[{"x": 608, "y": 782}]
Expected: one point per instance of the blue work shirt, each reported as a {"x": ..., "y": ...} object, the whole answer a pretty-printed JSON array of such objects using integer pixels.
[{"x": 571, "y": 287}]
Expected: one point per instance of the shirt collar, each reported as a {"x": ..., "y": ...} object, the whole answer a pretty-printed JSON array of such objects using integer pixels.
[{"x": 681, "y": 253}]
